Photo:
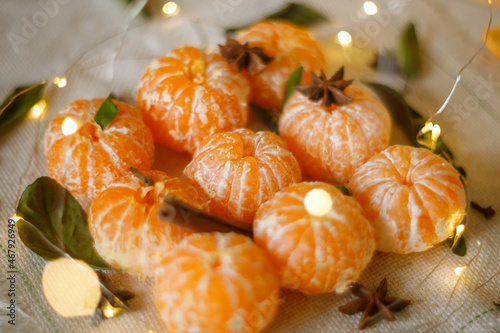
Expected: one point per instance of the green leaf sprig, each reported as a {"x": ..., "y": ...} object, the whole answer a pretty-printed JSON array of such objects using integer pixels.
[
  {"x": 408, "y": 52},
  {"x": 295, "y": 13},
  {"x": 271, "y": 117},
  {"x": 292, "y": 81},
  {"x": 106, "y": 113},
  {"x": 18, "y": 104},
  {"x": 52, "y": 223}
]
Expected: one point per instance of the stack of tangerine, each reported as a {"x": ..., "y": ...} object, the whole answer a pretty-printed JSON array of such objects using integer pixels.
[{"x": 307, "y": 236}]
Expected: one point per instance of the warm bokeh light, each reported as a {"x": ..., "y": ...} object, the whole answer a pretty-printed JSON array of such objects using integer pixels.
[
  {"x": 109, "y": 311},
  {"x": 459, "y": 270},
  {"x": 38, "y": 109},
  {"x": 370, "y": 8},
  {"x": 170, "y": 8},
  {"x": 344, "y": 38},
  {"x": 436, "y": 132},
  {"x": 60, "y": 81},
  {"x": 69, "y": 126},
  {"x": 318, "y": 202}
]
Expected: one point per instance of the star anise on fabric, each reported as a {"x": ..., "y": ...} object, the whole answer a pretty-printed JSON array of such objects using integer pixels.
[
  {"x": 253, "y": 59},
  {"x": 372, "y": 303},
  {"x": 330, "y": 91}
]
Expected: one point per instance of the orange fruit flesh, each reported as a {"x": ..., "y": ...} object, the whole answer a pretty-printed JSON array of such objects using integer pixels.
[
  {"x": 189, "y": 95},
  {"x": 241, "y": 169},
  {"x": 125, "y": 225},
  {"x": 291, "y": 47},
  {"x": 214, "y": 282},
  {"x": 86, "y": 161},
  {"x": 331, "y": 142},
  {"x": 314, "y": 254},
  {"x": 413, "y": 198}
]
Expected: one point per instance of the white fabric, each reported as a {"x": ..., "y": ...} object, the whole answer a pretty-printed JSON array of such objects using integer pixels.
[{"x": 86, "y": 40}]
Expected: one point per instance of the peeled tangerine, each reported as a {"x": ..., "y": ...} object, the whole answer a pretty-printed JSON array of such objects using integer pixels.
[
  {"x": 239, "y": 170},
  {"x": 317, "y": 250},
  {"x": 291, "y": 47},
  {"x": 188, "y": 95},
  {"x": 85, "y": 158},
  {"x": 413, "y": 198},
  {"x": 124, "y": 221},
  {"x": 216, "y": 283},
  {"x": 331, "y": 142}
]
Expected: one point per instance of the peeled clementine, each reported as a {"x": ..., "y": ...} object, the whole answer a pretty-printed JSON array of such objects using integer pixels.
[
  {"x": 239, "y": 170},
  {"x": 214, "y": 283},
  {"x": 331, "y": 142},
  {"x": 188, "y": 95},
  {"x": 291, "y": 47},
  {"x": 413, "y": 198},
  {"x": 90, "y": 158},
  {"x": 315, "y": 254},
  {"x": 124, "y": 220}
]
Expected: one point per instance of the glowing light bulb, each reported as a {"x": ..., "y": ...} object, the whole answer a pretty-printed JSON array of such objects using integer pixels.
[
  {"x": 436, "y": 132},
  {"x": 38, "y": 109},
  {"x": 109, "y": 311},
  {"x": 459, "y": 270},
  {"x": 170, "y": 8},
  {"x": 370, "y": 8},
  {"x": 318, "y": 202},
  {"x": 15, "y": 217},
  {"x": 60, "y": 81},
  {"x": 344, "y": 37},
  {"x": 69, "y": 126}
]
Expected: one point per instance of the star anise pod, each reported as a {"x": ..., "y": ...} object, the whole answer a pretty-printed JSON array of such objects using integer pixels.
[
  {"x": 372, "y": 303},
  {"x": 253, "y": 59},
  {"x": 328, "y": 90}
]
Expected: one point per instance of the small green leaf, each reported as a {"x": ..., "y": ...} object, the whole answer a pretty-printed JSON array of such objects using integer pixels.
[
  {"x": 295, "y": 13},
  {"x": 461, "y": 248},
  {"x": 292, "y": 81},
  {"x": 400, "y": 111},
  {"x": 408, "y": 53},
  {"x": 53, "y": 223},
  {"x": 266, "y": 117},
  {"x": 343, "y": 189},
  {"x": 106, "y": 113},
  {"x": 20, "y": 105}
]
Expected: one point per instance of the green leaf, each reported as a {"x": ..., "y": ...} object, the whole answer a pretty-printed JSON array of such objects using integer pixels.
[
  {"x": 292, "y": 81},
  {"x": 295, "y": 13},
  {"x": 53, "y": 223},
  {"x": 408, "y": 53},
  {"x": 496, "y": 304},
  {"x": 461, "y": 248},
  {"x": 343, "y": 189},
  {"x": 398, "y": 108},
  {"x": 266, "y": 117},
  {"x": 106, "y": 113},
  {"x": 23, "y": 100}
]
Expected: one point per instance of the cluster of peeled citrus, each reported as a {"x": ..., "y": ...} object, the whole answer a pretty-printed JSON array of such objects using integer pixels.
[{"x": 403, "y": 199}]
